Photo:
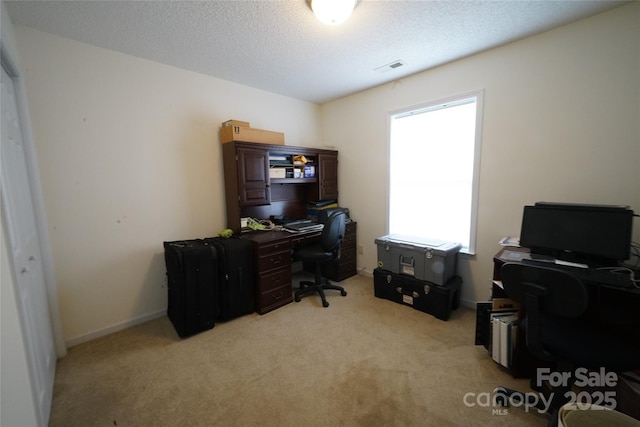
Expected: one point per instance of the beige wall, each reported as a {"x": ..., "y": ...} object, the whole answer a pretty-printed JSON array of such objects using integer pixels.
[
  {"x": 129, "y": 157},
  {"x": 561, "y": 123},
  {"x": 129, "y": 152}
]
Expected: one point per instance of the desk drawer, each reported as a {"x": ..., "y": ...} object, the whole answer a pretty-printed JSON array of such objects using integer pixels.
[
  {"x": 274, "y": 298},
  {"x": 275, "y": 279},
  {"x": 274, "y": 260},
  {"x": 349, "y": 240},
  {"x": 274, "y": 247},
  {"x": 305, "y": 239},
  {"x": 339, "y": 271},
  {"x": 347, "y": 256}
]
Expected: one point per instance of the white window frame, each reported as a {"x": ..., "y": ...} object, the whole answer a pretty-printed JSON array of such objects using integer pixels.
[{"x": 475, "y": 188}]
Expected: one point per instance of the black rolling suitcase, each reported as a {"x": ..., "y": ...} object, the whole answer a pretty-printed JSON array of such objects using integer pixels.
[
  {"x": 192, "y": 277},
  {"x": 235, "y": 284},
  {"x": 209, "y": 280}
]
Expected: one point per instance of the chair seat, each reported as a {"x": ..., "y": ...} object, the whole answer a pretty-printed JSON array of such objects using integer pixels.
[{"x": 314, "y": 253}]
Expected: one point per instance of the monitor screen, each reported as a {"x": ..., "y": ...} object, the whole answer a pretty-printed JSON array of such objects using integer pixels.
[{"x": 592, "y": 234}]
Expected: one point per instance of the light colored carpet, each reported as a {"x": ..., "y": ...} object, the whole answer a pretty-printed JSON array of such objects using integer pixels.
[{"x": 363, "y": 361}]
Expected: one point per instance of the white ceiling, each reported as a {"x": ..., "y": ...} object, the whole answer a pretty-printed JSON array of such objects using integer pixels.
[{"x": 279, "y": 46}]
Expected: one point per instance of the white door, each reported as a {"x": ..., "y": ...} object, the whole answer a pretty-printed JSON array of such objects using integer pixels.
[{"x": 25, "y": 254}]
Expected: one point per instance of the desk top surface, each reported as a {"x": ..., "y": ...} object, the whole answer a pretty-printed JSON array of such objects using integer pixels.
[
  {"x": 518, "y": 254},
  {"x": 273, "y": 235}
]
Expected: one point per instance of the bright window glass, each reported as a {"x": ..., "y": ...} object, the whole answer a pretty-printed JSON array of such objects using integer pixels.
[{"x": 434, "y": 169}]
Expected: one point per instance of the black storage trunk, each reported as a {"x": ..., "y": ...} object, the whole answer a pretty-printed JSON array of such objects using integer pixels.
[
  {"x": 209, "y": 280},
  {"x": 235, "y": 285},
  {"x": 192, "y": 272},
  {"x": 438, "y": 300}
]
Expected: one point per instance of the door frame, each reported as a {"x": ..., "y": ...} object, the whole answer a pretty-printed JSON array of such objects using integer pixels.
[{"x": 8, "y": 60}]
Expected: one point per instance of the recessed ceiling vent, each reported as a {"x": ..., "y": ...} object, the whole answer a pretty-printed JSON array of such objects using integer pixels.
[{"x": 391, "y": 66}]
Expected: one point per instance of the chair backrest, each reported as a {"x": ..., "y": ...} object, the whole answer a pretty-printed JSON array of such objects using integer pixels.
[
  {"x": 543, "y": 291},
  {"x": 559, "y": 293},
  {"x": 333, "y": 232}
]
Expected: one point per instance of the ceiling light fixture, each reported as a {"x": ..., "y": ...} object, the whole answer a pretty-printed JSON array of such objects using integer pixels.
[{"x": 333, "y": 12}]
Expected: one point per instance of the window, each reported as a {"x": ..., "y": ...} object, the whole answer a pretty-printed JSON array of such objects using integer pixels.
[{"x": 434, "y": 169}]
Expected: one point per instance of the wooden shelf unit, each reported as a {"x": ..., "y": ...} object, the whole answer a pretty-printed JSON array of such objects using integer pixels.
[{"x": 251, "y": 192}]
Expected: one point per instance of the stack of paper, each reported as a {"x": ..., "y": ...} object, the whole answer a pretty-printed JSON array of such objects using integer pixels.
[{"x": 504, "y": 327}]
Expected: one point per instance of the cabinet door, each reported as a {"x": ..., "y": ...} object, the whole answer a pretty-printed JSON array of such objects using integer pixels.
[
  {"x": 253, "y": 177},
  {"x": 328, "y": 176}
]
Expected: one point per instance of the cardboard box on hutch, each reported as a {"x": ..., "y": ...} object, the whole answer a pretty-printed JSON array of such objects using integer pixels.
[{"x": 235, "y": 130}]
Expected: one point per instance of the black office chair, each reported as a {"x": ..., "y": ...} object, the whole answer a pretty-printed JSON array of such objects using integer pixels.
[
  {"x": 327, "y": 249},
  {"x": 557, "y": 330}
]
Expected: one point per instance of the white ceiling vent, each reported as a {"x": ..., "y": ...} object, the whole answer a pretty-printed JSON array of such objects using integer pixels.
[{"x": 391, "y": 66}]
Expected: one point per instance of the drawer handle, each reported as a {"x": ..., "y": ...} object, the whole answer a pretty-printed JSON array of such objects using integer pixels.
[{"x": 278, "y": 295}]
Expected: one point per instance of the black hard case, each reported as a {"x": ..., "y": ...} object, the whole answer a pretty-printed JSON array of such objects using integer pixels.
[
  {"x": 438, "y": 300},
  {"x": 192, "y": 273},
  {"x": 209, "y": 280},
  {"x": 236, "y": 284}
]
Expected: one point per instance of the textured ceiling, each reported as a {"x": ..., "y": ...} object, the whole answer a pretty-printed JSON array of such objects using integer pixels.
[{"x": 279, "y": 46}]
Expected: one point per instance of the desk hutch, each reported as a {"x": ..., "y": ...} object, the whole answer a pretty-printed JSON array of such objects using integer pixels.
[
  {"x": 250, "y": 192},
  {"x": 253, "y": 191}
]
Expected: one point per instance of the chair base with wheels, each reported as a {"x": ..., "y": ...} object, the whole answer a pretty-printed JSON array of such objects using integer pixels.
[{"x": 319, "y": 285}]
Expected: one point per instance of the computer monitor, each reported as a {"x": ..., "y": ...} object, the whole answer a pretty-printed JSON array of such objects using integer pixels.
[{"x": 597, "y": 235}]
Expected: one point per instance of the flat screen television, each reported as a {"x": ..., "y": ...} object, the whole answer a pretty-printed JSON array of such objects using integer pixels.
[{"x": 596, "y": 235}]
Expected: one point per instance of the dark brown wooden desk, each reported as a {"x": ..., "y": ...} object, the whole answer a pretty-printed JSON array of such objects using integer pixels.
[
  {"x": 617, "y": 309},
  {"x": 272, "y": 251}
]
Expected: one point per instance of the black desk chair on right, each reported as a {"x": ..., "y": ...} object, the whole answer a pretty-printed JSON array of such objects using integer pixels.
[
  {"x": 557, "y": 332},
  {"x": 328, "y": 249}
]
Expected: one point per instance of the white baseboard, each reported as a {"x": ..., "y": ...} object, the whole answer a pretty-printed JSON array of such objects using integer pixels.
[
  {"x": 468, "y": 303},
  {"x": 362, "y": 271},
  {"x": 115, "y": 328}
]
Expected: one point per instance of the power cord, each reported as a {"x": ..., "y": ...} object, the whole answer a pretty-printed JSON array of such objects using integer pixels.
[
  {"x": 622, "y": 270},
  {"x": 260, "y": 225}
]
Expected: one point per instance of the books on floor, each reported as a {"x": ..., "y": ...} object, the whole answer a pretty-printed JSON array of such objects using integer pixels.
[{"x": 504, "y": 328}]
